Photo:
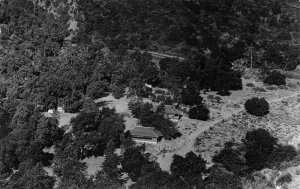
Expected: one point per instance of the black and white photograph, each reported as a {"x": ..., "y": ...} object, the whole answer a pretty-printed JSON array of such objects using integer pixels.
[{"x": 149, "y": 94}]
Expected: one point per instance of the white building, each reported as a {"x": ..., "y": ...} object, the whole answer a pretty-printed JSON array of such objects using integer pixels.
[{"x": 146, "y": 135}]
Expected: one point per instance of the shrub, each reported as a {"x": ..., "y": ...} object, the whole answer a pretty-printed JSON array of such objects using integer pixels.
[
  {"x": 285, "y": 178},
  {"x": 292, "y": 85},
  {"x": 259, "y": 89},
  {"x": 199, "y": 112},
  {"x": 218, "y": 99},
  {"x": 281, "y": 154},
  {"x": 275, "y": 78},
  {"x": 293, "y": 163},
  {"x": 231, "y": 159},
  {"x": 271, "y": 88},
  {"x": 283, "y": 87},
  {"x": 250, "y": 85},
  {"x": 224, "y": 93},
  {"x": 256, "y": 106}
]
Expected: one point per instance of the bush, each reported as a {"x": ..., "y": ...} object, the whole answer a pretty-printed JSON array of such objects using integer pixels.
[
  {"x": 281, "y": 154},
  {"x": 259, "y": 89},
  {"x": 218, "y": 99},
  {"x": 283, "y": 87},
  {"x": 250, "y": 85},
  {"x": 224, "y": 93},
  {"x": 286, "y": 178},
  {"x": 275, "y": 78},
  {"x": 231, "y": 159},
  {"x": 199, "y": 112},
  {"x": 272, "y": 88},
  {"x": 256, "y": 106}
]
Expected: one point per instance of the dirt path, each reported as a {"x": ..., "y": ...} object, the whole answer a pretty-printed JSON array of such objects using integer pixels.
[{"x": 186, "y": 143}]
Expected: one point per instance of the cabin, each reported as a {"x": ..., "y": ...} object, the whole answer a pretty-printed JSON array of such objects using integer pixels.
[
  {"x": 172, "y": 113},
  {"x": 146, "y": 135}
]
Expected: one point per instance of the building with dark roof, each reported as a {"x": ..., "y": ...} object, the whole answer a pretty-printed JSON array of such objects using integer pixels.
[
  {"x": 146, "y": 135},
  {"x": 172, "y": 113}
]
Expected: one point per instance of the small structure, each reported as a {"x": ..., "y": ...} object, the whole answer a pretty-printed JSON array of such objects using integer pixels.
[
  {"x": 146, "y": 135},
  {"x": 297, "y": 68},
  {"x": 172, "y": 113},
  {"x": 60, "y": 109},
  {"x": 4, "y": 31}
]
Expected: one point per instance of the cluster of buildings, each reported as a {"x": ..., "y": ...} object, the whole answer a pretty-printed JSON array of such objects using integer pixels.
[
  {"x": 59, "y": 109},
  {"x": 150, "y": 135}
]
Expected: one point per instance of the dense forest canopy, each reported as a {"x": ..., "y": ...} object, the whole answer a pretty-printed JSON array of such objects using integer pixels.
[{"x": 46, "y": 62}]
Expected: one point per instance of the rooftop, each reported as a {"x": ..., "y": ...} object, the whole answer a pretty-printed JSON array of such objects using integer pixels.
[
  {"x": 170, "y": 109},
  {"x": 145, "y": 132}
]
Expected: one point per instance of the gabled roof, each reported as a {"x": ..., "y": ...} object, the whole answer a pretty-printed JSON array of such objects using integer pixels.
[
  {"x": 170, "y": 109},
  {"x": 145, "y": 132}
]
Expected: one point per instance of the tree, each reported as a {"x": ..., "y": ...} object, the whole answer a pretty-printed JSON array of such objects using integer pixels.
[
  {"x": 4, "y": 119},
  {"x": 168, "y": 101},
  {"x": 8, "y": 157},
  {"x": 96, "y": 89},
  {"x": 281, "y": 154},
  {"x": 166, "y": 127},
  {"x": 275, "y": 78},
  {"x": 105, "y": 182},
  {"x": 231, "y": 159},
  {"x": 73, "y": 103},
  {"x": 84, "y": 122},
  {"x": 22, "y": 114},
  {"x": 112, "y": 160},
  {"x": 259, "y": 145},
  {"x": 146, "y": 115},
  {"x": 199, "y": 112},
  {"x": 73, "y": 174},
  {"x": 190, "y": 97},
  {"x": 153, "y": 177},
  {"x": 132, "y": 162},
  {"x": 31, "y": 176},
  {"x": 256, "y": 106},
  {"x": 160, "y": 110},
  {"x": 127, "y": 141},
  {"x": 190, "y": 168},
  {"x": 111, "y": 128},
  {"x": 135, "y": 107},
  {"x": 89, "y": 106},
  {"x": 47, "y": 131},
  {"x": 220, "y": 178}
]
